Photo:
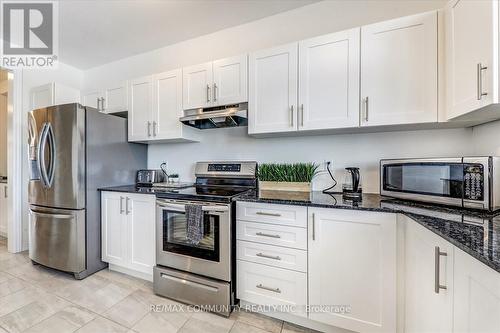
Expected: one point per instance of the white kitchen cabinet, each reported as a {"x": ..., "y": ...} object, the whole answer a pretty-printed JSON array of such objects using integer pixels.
[
  {"x": 3, "y": 209},
  {"x": 399, "y": 73},
  {"x": 472, "y": 29},
  {"x": 128, "y": 232},
  {"x": 427, "y": 309},
  {"x": 140, "y": 103},
  {"x": 217, "y": 83},
  {"x": 329, "y": 81},
  {"x": 111, "y": 99},
  {"x": 352, "y": 262},
  {"x": 51, "y": 94},
  {"x": 273, "y": 90},
  {"x": 476, "y": 296}
]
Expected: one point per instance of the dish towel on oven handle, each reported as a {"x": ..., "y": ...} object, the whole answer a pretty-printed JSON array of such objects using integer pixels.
[{"x": 194, "y": 217}]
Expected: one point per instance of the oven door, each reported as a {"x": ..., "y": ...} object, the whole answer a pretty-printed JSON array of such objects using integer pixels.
[{"x": 211, "y": 257}]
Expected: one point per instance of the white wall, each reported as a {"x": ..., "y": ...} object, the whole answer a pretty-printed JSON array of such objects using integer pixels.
[
  {"x": 363, "y": 150},
  {"x": 486, "y": 139}
]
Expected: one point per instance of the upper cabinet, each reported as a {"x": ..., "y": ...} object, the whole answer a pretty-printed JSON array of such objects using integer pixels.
[
  {"x": 52, "y": 94},
  {"x": 272, "y": 105},
  {"x": 329, "y": 81},
  {"x": 472, "y": 29},
  {"x": 111, "y": 99},
  {"x": 399, "y": 75},
  {"x": 217, "y": 83},
  {"x": 306, "y": 86},
  {"x": 155, "y": 106}
]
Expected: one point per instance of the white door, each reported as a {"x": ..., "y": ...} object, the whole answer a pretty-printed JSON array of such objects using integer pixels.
[
  {"x": 272, "y": 99},
  {"x": 114, "y": 228},
  {"x": 139, "y": 113},
  {"x": 92, "y": 98},
  {"x": 115, "y": 98},
  {"x": 352, "y": 262},
  {"x": 472, "y": 43},
  {"x": 42, "y": 96},
  {"x": 198, "y": 86},
  {"x": 3, "y": 209},
  {"x": 230, "y": 80},
  {"x": 167, "y": 105},
  {"x": 425, "y": 309},
  {"x": 141, "y": 212},
  {"x": 329, "y": 81},
  {"x": 399, "y": 71},
  {"x": 476, "y": 296}
]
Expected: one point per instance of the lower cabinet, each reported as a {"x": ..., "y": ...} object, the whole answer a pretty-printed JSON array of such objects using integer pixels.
[
  {"x": 128, "y": 232},
  {"x": 476, "y": 306},
  {"x": 352, "y": 269},
  {"x": 428, "y": 281}
]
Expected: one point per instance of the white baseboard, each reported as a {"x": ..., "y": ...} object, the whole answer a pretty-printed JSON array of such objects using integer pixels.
[{"x": 139, "y": 275}]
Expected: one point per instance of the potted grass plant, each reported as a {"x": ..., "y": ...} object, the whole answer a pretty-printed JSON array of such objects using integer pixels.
[{"x": 287, "y": 181}]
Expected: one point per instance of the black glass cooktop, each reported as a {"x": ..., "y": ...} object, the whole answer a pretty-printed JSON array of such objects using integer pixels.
[{"x": 207, "y": 193}]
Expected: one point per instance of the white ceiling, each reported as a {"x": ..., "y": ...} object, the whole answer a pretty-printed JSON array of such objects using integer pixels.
[{"x": 94, "y": 32}]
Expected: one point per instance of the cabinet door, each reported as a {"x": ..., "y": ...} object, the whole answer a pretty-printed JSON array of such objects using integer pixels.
[
  {"x": 198, "y": 90},
  {"x": 329, "y": 81},
  {"x": 3, "y": 209},
  {"x": 114, "y": 228},
  {"x": 352, "y": 262},
  {"x": 141, "y": 212},
  {"x": 399, "y": 71},
  {"x": 476, "y": 296},
  {"x": 167, "y": 105},
  {"x": 425, "y": 309},
  {"x": 115, "y": 98},
  {"x": 273, "y": 90},
  {"x": 139, "y": 117},
  {"x": 92, "y": 99},
  {"x": 472, "y": 41},
  {"x": 230, "y": 80},
  {"x": 42, "y": 96}
]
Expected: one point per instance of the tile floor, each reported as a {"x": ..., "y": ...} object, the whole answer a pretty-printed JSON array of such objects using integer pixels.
[{"x": 38, "y": 299}]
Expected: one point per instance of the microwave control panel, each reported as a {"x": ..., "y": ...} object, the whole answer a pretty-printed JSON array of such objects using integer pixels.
[{"x": 474, "y": 182}]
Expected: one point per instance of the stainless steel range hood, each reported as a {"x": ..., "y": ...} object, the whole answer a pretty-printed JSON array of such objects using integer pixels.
[{"x": 217, "y": 117}]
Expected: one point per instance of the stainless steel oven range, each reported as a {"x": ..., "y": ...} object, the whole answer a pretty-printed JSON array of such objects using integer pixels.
[{"x": 201, "y": 273}]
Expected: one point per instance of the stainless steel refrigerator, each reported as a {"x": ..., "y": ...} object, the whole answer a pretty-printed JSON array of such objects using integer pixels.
[{"x": 73, "y": 151}]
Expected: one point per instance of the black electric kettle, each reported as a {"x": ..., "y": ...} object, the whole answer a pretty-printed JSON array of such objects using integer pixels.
[{"x": 351, "y": 187}]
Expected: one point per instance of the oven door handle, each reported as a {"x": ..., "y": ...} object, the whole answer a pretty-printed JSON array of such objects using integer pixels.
[{"x": 181, "y": 208}]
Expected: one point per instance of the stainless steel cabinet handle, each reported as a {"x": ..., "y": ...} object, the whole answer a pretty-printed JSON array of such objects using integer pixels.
[
  {"x": 98, "y": 106},
  {"x": 102, "y": 103},
  {"x": 291, "y": 115},
  {"x": 366, "y": 108},
  {"x": 5, "y": 191},
  {"x": 262, "y": 255},
  {"x": 149, "y": 129},
  {"x": 437, "y": 266},
  {"x": 208, "y": 93},
  {"x": 274, "y": 290},
  {"x": 314, "y": 226},
  {"x": 215, "y": 92},
  {"x": 302, "y": 115},
  {"x": 154, "y": 128},
  {"x": 127, "y": 211},
  {"x": 267, "y": 235},
  {"x": 480, "y": 93},
  {"x": 268, "y": 214},
  {"x": 121, "y": 205}
]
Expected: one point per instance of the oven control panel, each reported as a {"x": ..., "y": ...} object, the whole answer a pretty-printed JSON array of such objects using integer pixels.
[
  {"x": 474, "y": 182},
  {"x": 230, "y": 167}
]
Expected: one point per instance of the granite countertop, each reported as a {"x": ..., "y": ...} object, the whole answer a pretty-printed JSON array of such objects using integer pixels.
[
  {"x": 129, "y": 189},
  {"x": 475, "y": 232}
]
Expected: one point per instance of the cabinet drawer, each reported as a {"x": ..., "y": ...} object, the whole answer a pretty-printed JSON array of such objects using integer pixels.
[
  {"x": 276, "y": 214},
  {"x": 271, "y": 255},
  {"x": 272, "y": 234},
  {"x": 264, "y": 285}
]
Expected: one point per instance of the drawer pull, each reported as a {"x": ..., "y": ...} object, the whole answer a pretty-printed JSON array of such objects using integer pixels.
[
  {"x": 268, "y": 214},
  {"x": 268, "y": 256},
  {"x": 274, "y": 290},
  {"x": 267, "y": 235}
]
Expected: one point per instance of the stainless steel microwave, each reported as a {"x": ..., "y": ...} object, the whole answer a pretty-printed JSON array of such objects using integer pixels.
[{"x": 469, "y": 182}]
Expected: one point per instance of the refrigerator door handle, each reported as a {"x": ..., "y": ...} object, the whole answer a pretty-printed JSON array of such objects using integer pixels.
[
  {"x": 52, "y": 147},
  {"x": 41, "y": 155},
  {"x": 55, "y": 216}
]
